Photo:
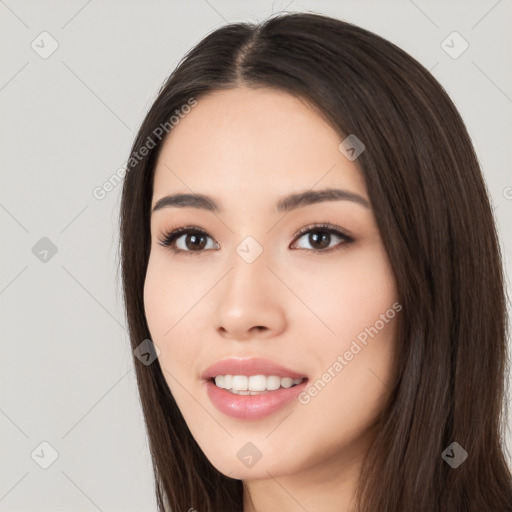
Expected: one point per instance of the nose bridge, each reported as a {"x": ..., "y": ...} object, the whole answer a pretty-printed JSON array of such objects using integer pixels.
[
  {"x": 250, "y": 250},
  {"x": 249, "y": 272},
  {"x": 247, "y": 298}
]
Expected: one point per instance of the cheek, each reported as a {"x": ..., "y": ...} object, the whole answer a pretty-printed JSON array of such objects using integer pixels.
[
  {"x": 359, "y": 300},
  {"x": 353, "y": 359},
  {"x": 154, "y": 297},
  {"x": 347, "y": 295},
  {"x": 169, "y": 300},
  {"x": 166, "y": 296},
  {"x": 351, "y": 382}
]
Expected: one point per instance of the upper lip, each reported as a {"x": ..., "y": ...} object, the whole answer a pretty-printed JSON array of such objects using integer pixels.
[{"x": 253, "y": 366}]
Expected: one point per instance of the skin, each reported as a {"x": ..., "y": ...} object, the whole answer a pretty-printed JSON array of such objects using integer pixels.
[{"x": 247, "y": 148}]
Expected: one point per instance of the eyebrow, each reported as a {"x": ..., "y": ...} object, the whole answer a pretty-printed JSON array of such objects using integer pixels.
[{"x": 285, "y": 204}]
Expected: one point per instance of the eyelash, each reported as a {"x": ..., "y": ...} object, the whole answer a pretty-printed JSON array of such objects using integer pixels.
[{"x": 169, "y": 238}]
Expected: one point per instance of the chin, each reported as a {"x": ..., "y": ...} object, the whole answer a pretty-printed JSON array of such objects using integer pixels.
[{"x": 261, "y": 469}]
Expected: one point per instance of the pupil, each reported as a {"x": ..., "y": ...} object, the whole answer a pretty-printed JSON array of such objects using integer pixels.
[
  {"x": 324, "y": 239},
  {"x": 194, "y": 239}
]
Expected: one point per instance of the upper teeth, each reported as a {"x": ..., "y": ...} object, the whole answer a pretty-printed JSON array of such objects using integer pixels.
[{"x": 254, "y": 382}]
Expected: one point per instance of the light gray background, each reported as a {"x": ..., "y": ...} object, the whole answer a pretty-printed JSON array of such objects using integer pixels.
[{"x": 67, "y": 123}]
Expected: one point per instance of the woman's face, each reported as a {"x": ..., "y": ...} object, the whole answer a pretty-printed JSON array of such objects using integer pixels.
[{"x": 319, "y": 305}]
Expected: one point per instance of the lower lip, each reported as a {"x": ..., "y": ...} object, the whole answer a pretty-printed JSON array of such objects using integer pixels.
[{"x": 252, "y": 407}]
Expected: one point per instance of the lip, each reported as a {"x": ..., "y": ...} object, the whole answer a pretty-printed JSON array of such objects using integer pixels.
[
  {"x": 250, "y": 407},
  {"x": 253, "y": 366}
]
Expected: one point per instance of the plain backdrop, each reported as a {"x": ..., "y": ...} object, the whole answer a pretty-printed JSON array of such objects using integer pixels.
[{"x": 67, "y": 123}]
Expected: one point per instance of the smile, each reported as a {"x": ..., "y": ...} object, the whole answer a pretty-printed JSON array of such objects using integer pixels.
[{"x": 254, "y": 384}]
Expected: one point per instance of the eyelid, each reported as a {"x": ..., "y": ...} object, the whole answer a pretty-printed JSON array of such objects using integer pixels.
[
  {"x": 323, "y": 226},
  {"x": 170, "y": 236}
]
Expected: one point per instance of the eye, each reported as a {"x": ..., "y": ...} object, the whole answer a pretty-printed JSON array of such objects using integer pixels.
[
  {"x": 192, "y": 239},
  {"x": 320, "y": 237}
]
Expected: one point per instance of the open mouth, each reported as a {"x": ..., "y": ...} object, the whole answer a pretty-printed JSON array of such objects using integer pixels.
[{"x": 254, "y": 384}]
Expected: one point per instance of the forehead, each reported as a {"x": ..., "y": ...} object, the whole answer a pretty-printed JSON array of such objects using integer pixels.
[{"x": 253, "y": 142}]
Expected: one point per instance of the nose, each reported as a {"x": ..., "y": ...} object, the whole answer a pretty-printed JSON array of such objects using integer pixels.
[{"x": 250, "y": 302}]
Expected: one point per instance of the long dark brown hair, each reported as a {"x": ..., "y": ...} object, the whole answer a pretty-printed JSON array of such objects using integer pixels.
[{"x": 433, "y": 212}]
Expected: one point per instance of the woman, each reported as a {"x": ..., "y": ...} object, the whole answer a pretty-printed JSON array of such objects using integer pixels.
[{"x": 307, "y": 240}]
